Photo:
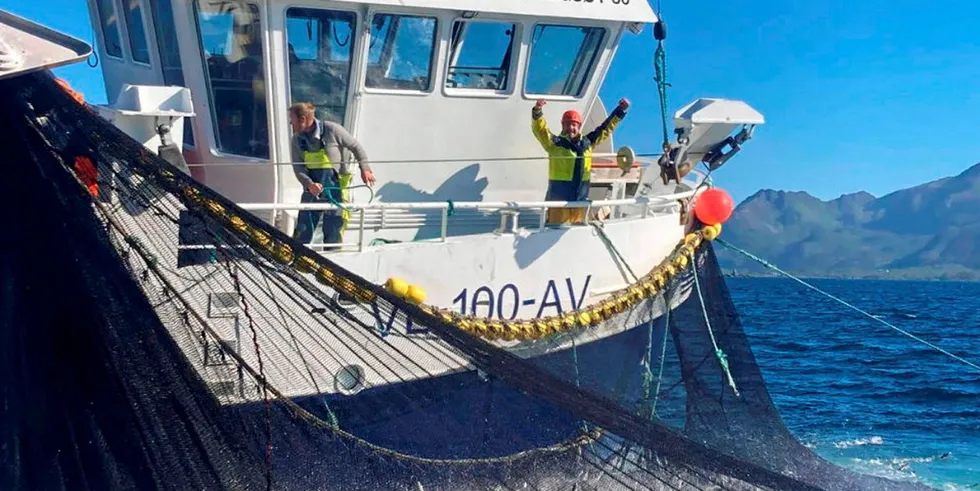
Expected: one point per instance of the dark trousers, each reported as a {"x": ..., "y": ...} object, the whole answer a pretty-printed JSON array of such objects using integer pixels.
[{"x": 333, "y": 222}]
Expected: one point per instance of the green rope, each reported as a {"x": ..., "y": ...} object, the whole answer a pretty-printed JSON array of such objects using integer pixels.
[
  {"x": 575, "y": 361},
  {"x": 452, "y": 208},
  {"x": 213, "y": 255},
  {"x": 331, "y": 417},
  {"x": 722, "y": 358},
  {"x": 852, "y": 307},
  {"x": 660, "y": 65},
  {"x": 648, "y": 358},
  {"x": 329, "y": 196},
  {"x": 341, "y": 189},
  {"x": 612, "y": 248},
  {"x": 663, "y": 356},
  {"x": 585, "y": 424}
]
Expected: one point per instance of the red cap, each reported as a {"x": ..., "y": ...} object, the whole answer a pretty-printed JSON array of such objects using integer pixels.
[{"x": 571, "y": 116}]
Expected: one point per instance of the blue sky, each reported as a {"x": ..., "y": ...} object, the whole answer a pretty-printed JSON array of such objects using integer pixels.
[{"x": 875, "y": 95}]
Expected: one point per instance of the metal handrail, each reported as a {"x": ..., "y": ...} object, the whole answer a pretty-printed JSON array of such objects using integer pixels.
[
  {"x": 467, "y": 160},
  {"x": 444, "y": 206}
]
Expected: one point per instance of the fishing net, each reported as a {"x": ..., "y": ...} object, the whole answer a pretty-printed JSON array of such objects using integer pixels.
[{"x": 155, "y": 336}]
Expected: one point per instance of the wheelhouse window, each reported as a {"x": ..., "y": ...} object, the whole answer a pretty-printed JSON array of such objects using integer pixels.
[
  {"x": 562, "y": 59},
  {"x": 480, "y": 55},
  {"x": 231, "y": 42},
  {"x": 320, "y": 46},
  {"x": 137, "y": 33},
  {"x": 166, "y": 36},
  {"x": 110, "y": 27},
  {"x": 400, "y": 54}
]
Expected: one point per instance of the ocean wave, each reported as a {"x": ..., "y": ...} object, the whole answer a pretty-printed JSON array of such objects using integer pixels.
[
  {"x": 901, "y": 469},
  {"x": 882, "y": 468},
  {"x": 860, "y": 442},
  {"x": 840, "y": 379},
  {"x": 903, "y": 462}
]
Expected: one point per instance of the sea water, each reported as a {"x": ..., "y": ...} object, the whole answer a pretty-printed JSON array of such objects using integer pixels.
[{"x": 861, "y": 394}]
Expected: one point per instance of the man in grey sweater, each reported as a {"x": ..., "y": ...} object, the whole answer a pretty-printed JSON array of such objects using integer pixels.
[{"x": 317, "y": 155}]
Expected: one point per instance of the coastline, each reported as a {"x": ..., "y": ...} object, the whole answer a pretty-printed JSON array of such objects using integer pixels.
[{"x": 902, "y": 275}]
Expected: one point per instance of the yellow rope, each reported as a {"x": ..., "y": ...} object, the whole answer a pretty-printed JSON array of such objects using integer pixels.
[
  {"x": 259, "y": 237},
  {"x": 646, "y": 287}
]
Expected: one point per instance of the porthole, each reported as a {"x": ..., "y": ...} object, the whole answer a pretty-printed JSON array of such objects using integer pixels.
[{"x": 349, "y": 380}]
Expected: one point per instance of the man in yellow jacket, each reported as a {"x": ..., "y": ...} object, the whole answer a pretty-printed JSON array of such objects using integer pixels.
[
  {"x": 570, "y": 157},
  {"x": 316, "y": 150}
]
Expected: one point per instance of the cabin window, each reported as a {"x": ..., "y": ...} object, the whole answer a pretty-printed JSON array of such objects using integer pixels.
[
  {"x": 320, "y": 46},
  {"x": 166, "y": 35},
  {"x": 231, "y": 42},
  {"x": 400, "y": 54},
  {"x": 480, "y": 55},
  {"x": 562, "y": 59},
  {"x": 137, "y": 33},
  {"x": 110, "y": 27}
]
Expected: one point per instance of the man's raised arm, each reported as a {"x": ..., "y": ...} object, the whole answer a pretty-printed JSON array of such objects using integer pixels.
[
  {"x": 539, "y": 126},
  {"x": 604, "y": 130}
]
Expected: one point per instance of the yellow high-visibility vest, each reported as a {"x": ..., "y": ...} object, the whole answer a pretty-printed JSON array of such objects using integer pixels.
[{"x": 317, "y": 160}]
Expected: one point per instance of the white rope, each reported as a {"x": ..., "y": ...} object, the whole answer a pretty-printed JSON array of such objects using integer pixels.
[
  {"x": 10, "y": 58},
  {"x": 852, "y": 307}
]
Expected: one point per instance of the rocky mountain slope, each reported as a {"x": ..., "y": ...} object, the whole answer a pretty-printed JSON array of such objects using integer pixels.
[{"x": 927, "y": 231}]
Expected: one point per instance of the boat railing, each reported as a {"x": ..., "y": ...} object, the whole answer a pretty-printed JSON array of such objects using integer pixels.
[
  {"x": 431, "y": 219},
  {"x": 379, "y": 216}
]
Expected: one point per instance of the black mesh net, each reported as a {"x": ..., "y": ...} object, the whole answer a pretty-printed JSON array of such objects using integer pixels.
[{"x": 155, "y": 336}]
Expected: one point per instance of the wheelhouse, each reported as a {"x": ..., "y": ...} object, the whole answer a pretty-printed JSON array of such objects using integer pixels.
[{"x": 438, "y": 91}]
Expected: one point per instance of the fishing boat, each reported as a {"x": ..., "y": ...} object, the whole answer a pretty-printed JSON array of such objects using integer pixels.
[
  {"x": 453, "y": 328},
  {"x": 440, "y": 95}
]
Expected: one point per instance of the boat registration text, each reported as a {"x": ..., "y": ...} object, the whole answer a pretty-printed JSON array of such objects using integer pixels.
[{"x": 509, "y": 303}]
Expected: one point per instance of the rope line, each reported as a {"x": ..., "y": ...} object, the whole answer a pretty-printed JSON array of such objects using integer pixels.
[
  {"x": 340, "y": 204},
  {"x": 722, "y": 357},
  {"x": 848, "y": 305},
  {"x": 660, "y": 68},
  {"x": 660, "y": 65},
  {"x": 317, "y": 422},
  {"x": 663, "y": 354},
  {"x": 409, "y": 161},
  {"x": 612, "y": 247},
  {"x": 267, "y": 404},
  {"x": 269, "y": 245},
  {"x": 152, "y": 265}
]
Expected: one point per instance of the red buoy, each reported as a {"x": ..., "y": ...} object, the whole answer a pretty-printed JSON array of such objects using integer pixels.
[{"x": 714, "y": 206}]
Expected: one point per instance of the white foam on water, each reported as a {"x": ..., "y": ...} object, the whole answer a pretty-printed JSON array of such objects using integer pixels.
[{"x": 860, "y": 442}]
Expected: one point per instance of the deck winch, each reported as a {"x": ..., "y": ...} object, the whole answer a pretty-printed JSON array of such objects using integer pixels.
[{"x": 703, "y": 130}]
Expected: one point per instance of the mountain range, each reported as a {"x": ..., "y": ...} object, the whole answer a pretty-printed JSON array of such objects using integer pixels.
[{"x": 930, "y": 231}]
